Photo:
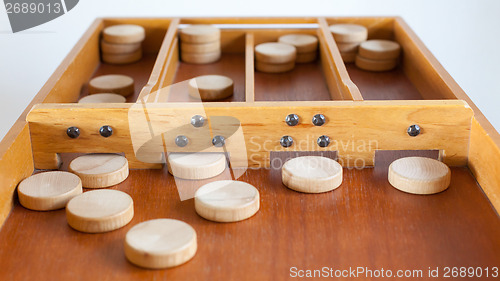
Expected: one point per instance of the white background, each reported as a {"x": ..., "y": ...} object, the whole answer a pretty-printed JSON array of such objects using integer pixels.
[{"x": 463, "y": 35}]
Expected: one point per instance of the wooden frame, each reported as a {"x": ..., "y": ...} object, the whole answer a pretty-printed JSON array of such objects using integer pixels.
[{"x": 478, "y": 144}]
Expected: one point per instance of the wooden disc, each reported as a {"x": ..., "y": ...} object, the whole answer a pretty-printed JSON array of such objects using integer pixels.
[
  {"x": 113, "y": 83},
  {"x": 375, "y": 65},
  {"x": 306, "y": 57},
  {"x": 211, "y": 87},
  {"x": 349, "y": 57},
  {"x": 312, "y": 174},
  {"x": 103, "y": 98},
  {"x": 200, "y": 48},
  {"x": 124, "y": 34},
  {"x": 379, "y": 49},
  {"x": 112, "y": 48},
  {"x": 348, "y": 47},
  {"x": 196, "y": 166},
  {"x": 226, "y": 201},
  {"x": 274, "y": 68},
  {"x": 201, "y": 58},
  {"x": 100, "y": 170},
  {"x": 200, "y": 33},
  {"x": 49, "y": 190},
  {"x": 275, "y": 53},
  {"x": 160, "y": 243},
  {"x": 122, "y": 58},
  {"x": 419, "y": 175},
  {"x": 349, "y": 33},
  {"x": 304, "y": 43},
  {"x": 100, "y": 211}
]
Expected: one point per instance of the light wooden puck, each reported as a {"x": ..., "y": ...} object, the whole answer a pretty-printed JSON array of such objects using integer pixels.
[
  {"x": 122, "y": 58},
  {"x": 100, "y": 170},
  {"x": 196, "y": 166},
  {"x": 304, "y": 43},
  {"x": 275, "y": 53},
  {"x": 379, "y": 49},
  {"x": 103, "y": 98},
  {"x": 211, "y": 87},
  {"x": 200, "y": 48},
  {"x": 160, "y": 243},
  {"x": 348, "y": 47},
  {"x": 274, "y": 67},
  {"x": 349, "y": 57},
  {"x": 349, "y": 33},
  {"x": 100, "y": 211},
  {"x": 306, "y": 57},
  {"x": 201, "y": 58},
  {"x": 124, "y": 34},
  {"x": 49, "y": 190},
  {"x": 419, "y": 175},
  {"x": 312, "y": 174},
  {"x": 113, "y": 83},
  {"x": 375, "y": 65},
  {"x": 200, "y": 33},
  {"x": 226, "y": 201},
  {"x": 112, "y": 48}
]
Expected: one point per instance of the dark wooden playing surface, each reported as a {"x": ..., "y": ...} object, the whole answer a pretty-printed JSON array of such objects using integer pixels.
[{"x": 365, "y": 222}]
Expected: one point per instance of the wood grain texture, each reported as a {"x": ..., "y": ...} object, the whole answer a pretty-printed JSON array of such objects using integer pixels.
[
  {"x": 100, "y": 170},
  {"x": 312, "y": 174},
  {"x": 359, "y": 128},
  {"x": 400, "y": 229},
  {"x": 196, "y": 166}
]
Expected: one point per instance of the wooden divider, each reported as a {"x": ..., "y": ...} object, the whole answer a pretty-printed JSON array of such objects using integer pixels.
[{"x": 249, "y": 68}]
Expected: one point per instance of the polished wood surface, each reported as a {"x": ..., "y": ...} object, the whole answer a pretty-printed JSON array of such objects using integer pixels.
[{"x": 365, "y": 222}]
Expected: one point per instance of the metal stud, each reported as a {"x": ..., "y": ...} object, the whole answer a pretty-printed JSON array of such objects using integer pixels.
[
  {"x": 318, "y": 120},
  {"x": 286, "y": 141},
  {"x": 73, "y": 132},
  {"x": 323, "y": 141},
  {"x": 197, "y": 121},
  {"x": 413, "y": 130},
  {"x": 181, "y": 141},
  {"x": 218, "y": 141},
  {"x": 292, "y": 119},
  {"x": 106, "y": 131}
]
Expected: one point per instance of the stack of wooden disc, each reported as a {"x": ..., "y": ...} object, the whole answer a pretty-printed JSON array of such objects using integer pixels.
[
  {"x": 200, "y": 44},
  {"x": 306, "y": 46},
  {"x": 122, "y": 44},
  {"x": 348, "y": 37},
  {"x": 378, "y": 55},
  {"x": 275, "y": 57}
]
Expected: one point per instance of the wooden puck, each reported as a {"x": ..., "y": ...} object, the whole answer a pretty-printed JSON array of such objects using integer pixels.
[
  {"x": 379, "y": 49},
  {"x": 275, "y": 53},
  {"x": 306, "y": 57},
  {"x": 160, "y": 243},
  {"x": 196, "y": 166},
  {"x": 49, "y": 190},
  {"x": 348, "y": 47},
  {"x": 349, "y": 57},
  {"x": 312, "y": 174},
  {"x": 375, "y": 65},
  {"x": 100, "y": 211},
  {"x": 304, "y": 43},
  {"x": 419, "y": 175},
  {"x": 100, "y": 170},
  {"x": 200, "y": 33},
  {"x": 211, "y": 87},
  {"x": 349, "y": 33},
  {"x": 122, "y": 58},
  {"x": 274, "y": 68},
  {"x": 201, "y": 58},
  {"x": 124, "y": 34},
  {"x": 113, "y": 83},
  {"x": 226, "y": 201},
  {"x": 200, "y": 48},
  {"x": 103, "y": 98},
  {"x": 112, "y": 48}
]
